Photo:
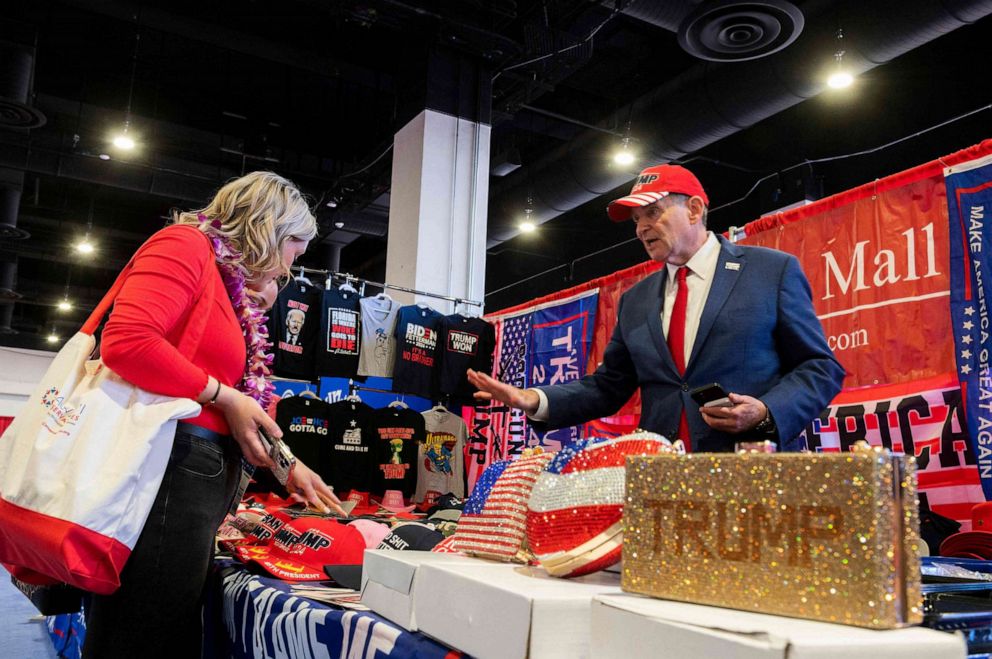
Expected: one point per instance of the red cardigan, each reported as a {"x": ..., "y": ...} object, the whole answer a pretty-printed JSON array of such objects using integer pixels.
[{"x": 173, "y": 323}]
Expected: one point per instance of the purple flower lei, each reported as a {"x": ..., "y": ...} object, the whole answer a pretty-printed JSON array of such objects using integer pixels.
[{"x": 255, "y": 384}]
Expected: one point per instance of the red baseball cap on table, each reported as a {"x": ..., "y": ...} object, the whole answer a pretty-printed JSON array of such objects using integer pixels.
[
  {"x": 976, "y": 543},
  {"x": 656, "y": 183},
  {"x": 304, "y": 546}
]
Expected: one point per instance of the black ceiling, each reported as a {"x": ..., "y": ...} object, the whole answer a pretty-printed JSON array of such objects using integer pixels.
[{"x": 315, "y": 90}]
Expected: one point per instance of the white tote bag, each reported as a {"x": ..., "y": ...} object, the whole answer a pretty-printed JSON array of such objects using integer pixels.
[{"x": 80, "y": 467}]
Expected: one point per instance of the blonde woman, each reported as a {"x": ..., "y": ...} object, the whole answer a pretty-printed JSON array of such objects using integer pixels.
[{"x": 182, "y": 325}]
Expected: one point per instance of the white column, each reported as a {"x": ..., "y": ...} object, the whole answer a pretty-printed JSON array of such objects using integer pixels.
[{"x": 438, "y": 208}]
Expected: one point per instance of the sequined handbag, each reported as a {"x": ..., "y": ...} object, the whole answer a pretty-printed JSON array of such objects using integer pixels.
[
  {"x": 493, "y": 523},
  {"x": 826, "y": 537}
]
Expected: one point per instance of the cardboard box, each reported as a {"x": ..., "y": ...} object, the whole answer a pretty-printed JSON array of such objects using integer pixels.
[
  {"x": 630, "y": 626},
  {"x": 505, "y": 611},
  {"x": 389, "y": 581}
]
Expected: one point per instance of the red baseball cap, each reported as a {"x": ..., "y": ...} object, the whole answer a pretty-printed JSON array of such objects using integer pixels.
[
  {"x": 304, "y": 546},
  {"x": 655, "y": 183}
]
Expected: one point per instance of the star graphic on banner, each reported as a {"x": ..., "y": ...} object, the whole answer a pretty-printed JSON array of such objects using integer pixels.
[
  {"x": 966, "y": 354},
  {"x": 968, "y": 325},
  {"x": 966, "y": 369},
  {"x": 969, "y": 311},
  {"x": 354, "y": 423},
  {"x": 966, "y": 338}
]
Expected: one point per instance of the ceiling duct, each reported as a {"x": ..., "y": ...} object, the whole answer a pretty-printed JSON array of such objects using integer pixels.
[
  {"x": 717, "y": 100},
  {"x": 734, "y": 31},
  {"x": 15, "y": 85}
]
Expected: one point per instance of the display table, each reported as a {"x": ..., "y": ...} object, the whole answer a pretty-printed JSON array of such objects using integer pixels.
[
  {"x": 254, "y": 616},
  {"x": 630, "y": 626}
]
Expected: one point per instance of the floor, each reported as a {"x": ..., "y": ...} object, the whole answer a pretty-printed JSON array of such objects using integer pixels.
[{"x": 23, "y": 633}]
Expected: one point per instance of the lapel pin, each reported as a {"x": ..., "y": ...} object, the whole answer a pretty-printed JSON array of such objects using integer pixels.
[{"x": 730, "y": 265}]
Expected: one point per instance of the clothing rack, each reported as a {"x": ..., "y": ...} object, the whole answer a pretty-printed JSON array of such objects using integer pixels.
[
  {"x": 355, "y": 387},
  {"x": 349, "y": 278}
]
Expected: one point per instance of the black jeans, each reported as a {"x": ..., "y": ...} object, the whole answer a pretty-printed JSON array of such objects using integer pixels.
[{"x": 157, "y": 610}]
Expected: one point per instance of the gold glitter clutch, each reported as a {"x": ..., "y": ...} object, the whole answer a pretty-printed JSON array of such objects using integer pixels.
[{"x": 825, "y": 537}]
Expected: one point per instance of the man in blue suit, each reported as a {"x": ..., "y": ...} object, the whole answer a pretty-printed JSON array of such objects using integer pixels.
[{"x": 742, "y": 317}]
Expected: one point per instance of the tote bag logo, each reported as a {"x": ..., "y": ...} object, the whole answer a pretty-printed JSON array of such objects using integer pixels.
[{"x": 59, "y": 414}]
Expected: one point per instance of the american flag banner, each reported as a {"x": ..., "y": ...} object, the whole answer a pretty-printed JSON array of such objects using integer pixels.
[
  {"x": 923, "y": 419},
  {"x": 493, "y": 523},
  {"x": 498, "y": 432}
]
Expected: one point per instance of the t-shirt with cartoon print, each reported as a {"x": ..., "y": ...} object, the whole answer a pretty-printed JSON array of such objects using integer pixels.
[
  {"x": 379, "y": 315},
  {"x": 441, "y": 460}
]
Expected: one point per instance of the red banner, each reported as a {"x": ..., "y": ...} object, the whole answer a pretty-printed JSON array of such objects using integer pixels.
[{"x": 878, "y": 267}]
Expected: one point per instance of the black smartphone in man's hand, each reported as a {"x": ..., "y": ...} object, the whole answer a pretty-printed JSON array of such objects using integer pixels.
[{"x": 711, "y": 395}]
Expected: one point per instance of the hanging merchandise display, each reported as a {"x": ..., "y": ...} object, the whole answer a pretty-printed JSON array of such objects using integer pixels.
[
  {"x": 398, "y": 433},
  {"x": 340, "y": 330},
  {"x": 378, "y": 347},
  {"x": 464, "y": 343},
  {"x": 441, "y": 463},
  {"x": 294, "y": 325},
  {"x": 305, "y": 423},
  {"x": 347, "y": 456},
  {"x": 416, "y": 350}
]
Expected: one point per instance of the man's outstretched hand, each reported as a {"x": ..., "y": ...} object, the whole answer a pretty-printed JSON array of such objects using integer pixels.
[{"x": 490, "y": 389}]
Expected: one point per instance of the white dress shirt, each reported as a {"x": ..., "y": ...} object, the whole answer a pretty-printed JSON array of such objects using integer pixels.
[{"x": 702, "y": 268}]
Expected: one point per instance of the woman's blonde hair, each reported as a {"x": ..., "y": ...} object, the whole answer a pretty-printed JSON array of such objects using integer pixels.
[{"x": 257, "y": 213}]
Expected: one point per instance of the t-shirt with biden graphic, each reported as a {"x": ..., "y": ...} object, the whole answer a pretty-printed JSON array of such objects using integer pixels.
[
  {"x": 294, "y": 323},
  {"x": 416, "y": 350}
]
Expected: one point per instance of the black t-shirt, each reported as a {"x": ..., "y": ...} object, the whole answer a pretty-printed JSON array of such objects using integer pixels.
[
  {"x": 340, "y": 333},
  {"x": 398, "y": 432},
  {"x": 347, "y": 458},
  {"x": 294, "y": 324},
  {"x": 464, "y": 343},
  {"x": 305, "y": 424},
  {"x": 416, "y": 350}
]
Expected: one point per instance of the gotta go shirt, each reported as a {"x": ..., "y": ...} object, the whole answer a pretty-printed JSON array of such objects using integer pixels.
[
  {"x": 416, "y": 350},
  {"x": 305, "y": 424}
]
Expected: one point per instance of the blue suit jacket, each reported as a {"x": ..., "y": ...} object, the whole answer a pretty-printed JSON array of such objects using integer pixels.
[{"x": 758, "y": 335}]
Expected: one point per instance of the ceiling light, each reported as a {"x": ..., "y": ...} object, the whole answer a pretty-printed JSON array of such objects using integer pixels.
[
  {"x": 123, "y": 141},
  {"x": 339, "y": 225},
  {"x": 104, "y": 156},
  {"x": 527, "y": 227},
  {"x": 52, "y": 338},
  {"x": 84, "y": 246},
  {"x": 841, "y": 77},
  {"x": 65, "y": 305},
  {"x": 332, "y": 203},
  {"x": 624, "y": 155}
]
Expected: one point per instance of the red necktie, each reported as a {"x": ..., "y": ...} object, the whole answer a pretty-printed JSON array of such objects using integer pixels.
[{"x": 676, "y": 339}]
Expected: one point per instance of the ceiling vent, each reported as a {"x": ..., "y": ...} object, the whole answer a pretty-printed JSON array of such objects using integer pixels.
[{"x": 734, "y": 31}]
